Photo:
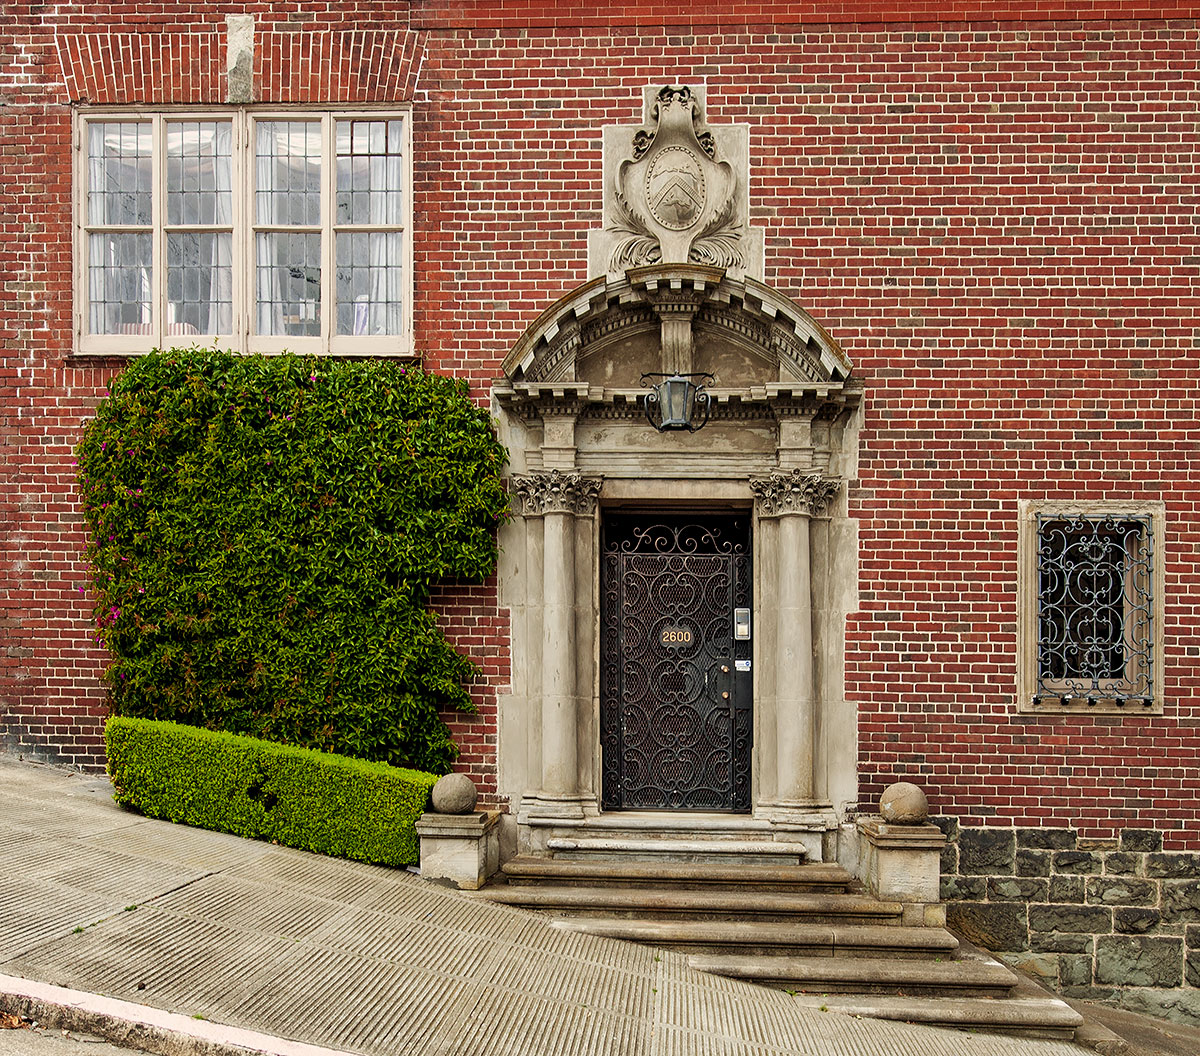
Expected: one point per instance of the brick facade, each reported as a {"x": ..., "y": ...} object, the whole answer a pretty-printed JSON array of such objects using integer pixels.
[{"x": 995, "y": 218}]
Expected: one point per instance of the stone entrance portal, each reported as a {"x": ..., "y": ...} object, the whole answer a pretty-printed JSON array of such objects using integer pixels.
[
  {"x": 604, "y": 728},
  {"x": 675, "y": 670}
]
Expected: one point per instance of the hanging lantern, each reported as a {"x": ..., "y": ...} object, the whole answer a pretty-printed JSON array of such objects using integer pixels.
[{"x": 677, "y": 402}]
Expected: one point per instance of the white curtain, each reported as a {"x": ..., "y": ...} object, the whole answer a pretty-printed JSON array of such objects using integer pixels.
[
  {"x": 269, "y": 292},
  {"x": 222, "y": 253},
  {"x": 385, "y": 313}
]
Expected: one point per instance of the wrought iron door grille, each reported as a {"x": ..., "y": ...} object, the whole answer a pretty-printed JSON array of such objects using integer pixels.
[
  {"x": 1095, "y": 609},
  {"x": 675, "y": 701}
]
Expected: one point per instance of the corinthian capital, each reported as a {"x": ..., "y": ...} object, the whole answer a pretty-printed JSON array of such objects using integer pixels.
[
  {"x": 794, "y": 492},
  {"x": 556, "y": 492}
]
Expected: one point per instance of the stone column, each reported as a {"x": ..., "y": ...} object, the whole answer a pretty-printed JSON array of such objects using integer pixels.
[
  {"x": 557, "y": 499},
  {"x": 792, "y": 499}
]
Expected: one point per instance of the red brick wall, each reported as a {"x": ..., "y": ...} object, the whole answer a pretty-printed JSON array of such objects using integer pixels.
[{"x": 996, "y": 219}]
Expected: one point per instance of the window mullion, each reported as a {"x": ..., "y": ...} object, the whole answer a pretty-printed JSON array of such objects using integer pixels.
[
  {"x": 328, "y": 189},
  {"x": 158, "y": 217}
]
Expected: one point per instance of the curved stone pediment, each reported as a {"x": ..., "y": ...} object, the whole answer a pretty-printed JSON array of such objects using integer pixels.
[{"x": 680, "y": 317}]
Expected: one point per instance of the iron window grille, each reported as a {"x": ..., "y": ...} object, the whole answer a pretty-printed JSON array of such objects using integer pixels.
[{"x": 1095, "y": 610}]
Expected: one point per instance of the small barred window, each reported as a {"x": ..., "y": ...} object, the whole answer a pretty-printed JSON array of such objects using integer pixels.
[{"x": 1092, "y": 610}]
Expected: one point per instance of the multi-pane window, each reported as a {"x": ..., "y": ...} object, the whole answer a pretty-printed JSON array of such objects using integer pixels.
[
  {"x": 1092, "y": 608},
  {"x": 258, "y": 231}
]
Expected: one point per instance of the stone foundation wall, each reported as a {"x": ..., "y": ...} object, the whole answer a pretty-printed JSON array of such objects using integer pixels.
[{"x": 1111, "y": 920}]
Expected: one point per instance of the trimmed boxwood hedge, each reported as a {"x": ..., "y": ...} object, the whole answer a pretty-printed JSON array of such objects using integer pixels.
[
  {"x": 264, "y": 533},
  {"x": 315, "y": 801}
]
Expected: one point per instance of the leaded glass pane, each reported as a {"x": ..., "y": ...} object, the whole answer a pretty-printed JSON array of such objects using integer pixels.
[
  {"x": 120, "y": 173},
  {"x": 119, "y": 288},
  {"x": 288, "y": 173},
  {"x": 370, "y": 172},
  {"x": 288, "y": 282},
  {"x": 200, "y": 173},
  {"x": 200, "y": 282},
  {"x": 370, "y": 289}
]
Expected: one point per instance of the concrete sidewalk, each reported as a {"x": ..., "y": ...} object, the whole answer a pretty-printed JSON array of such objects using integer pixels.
[{"x": 184, "y": 941}]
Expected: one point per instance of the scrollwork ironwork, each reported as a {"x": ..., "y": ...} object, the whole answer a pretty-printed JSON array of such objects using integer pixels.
[
  {"x": 1095, "y": 637},
  {"x": 675, "y": 715}
]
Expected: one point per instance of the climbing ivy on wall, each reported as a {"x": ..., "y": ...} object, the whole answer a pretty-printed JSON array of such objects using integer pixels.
[{"x": 263, "y": 536}]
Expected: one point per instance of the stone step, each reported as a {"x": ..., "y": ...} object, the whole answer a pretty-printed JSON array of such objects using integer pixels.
[
  {"x": 705, "y": 907},
  {"x": 864, "y": 975},
  {"x": 1024, "y": 1017},
  {"x": 766, "y": 939},
  {"x": 714, "y": 850},
  {"x": 810, "y": 877}
]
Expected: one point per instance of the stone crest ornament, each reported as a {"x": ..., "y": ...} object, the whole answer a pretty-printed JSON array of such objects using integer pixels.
[{"x": 675, "y": 191}]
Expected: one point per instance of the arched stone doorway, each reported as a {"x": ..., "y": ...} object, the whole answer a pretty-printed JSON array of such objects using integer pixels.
[{"x": 780, "y": 445}]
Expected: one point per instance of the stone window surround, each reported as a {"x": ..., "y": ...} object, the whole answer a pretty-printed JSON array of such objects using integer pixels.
[{"x": 1027, "y": 600}]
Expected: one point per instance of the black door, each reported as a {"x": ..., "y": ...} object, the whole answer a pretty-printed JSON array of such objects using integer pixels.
[{"x": 675, "y": 707}]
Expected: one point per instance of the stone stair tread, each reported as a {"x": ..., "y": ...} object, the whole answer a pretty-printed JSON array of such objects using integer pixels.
[
  {"x": 874, "y": 971},
  {"x": 1035, "y": 1017},
  {"x": 814, "y": 874},
  {"x": 930, "y": 942},
  {"x": 716, "y": 846},
  {"x": 680, "y": 902}
]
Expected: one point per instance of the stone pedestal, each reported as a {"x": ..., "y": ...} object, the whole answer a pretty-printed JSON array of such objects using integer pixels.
[
  {"x": 462, "y": 850},
  {"x": 901, "y": 863}
]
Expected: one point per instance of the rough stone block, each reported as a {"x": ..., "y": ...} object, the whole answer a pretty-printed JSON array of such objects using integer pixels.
[
  {"x": 1061, "y": 942},
  {"x": 1046, "y": 839},
  {"x": 964, "y": 888},
  {"x": 987, "y": 851},
  {"x": 1121, "y": 891},
  {"x": 1075, "y": 970},
  {"x": 1016, "y": 889},
  {"x": 1139, "y": 960},
  {"x": 1141, "y": 840},
  {"x": 1192, "y": 967},
  {"x": 1102, "y": 844},
  {"x": 1066, "y": 888},
  {"x": 1132, "y": 921},
  {"x": 1192, "y": 933},
  {"x": 1122, "y": 863},
  {"x": 949, "y": 862},
  {"x": 1173, "y": 864},
  {"x": 993, "y": 925},
  {"x": 1041, "y": 966},
  {"x": 1180, "y": 1006},
  {"x": 948, "y": 825},
  {"x": 1181, "y": 900},
  {"x": 1094, "y": 920},
  {"x": 1033, "y": 863},
  {"x": 1077, "y": 862}
]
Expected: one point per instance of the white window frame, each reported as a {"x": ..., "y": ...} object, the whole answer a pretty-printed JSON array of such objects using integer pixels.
[
  {"x": 1029, "y": 684},
  {"x": 244, "y": 338}
]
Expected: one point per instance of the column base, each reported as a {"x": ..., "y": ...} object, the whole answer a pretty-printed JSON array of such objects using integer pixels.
[{"x": 550, "y": 806}]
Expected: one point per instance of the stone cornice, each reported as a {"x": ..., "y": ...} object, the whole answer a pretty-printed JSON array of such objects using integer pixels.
[
  {"x": 556, "y": 492},
  {"x": 796, "y": 492}
]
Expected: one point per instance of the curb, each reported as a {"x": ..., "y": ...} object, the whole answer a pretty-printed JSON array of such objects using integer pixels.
[{"x": 140, "y": 1026}]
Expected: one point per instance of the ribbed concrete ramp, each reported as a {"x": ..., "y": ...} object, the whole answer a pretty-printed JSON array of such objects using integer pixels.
[{"x": 356, "y": 959}]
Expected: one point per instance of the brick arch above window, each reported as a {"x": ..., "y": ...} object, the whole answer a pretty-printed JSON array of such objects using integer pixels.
[{"x": 348, "y": 68}]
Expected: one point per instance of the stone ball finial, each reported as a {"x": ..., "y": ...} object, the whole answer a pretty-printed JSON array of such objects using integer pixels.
[
  {"x": 903, "y": 804},
  {"x": 454, "y": 794}
]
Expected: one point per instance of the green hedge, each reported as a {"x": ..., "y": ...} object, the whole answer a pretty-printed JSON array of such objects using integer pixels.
[
  {"x": 264, "y": 533},
  {"x": 331, "y": 804}
]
